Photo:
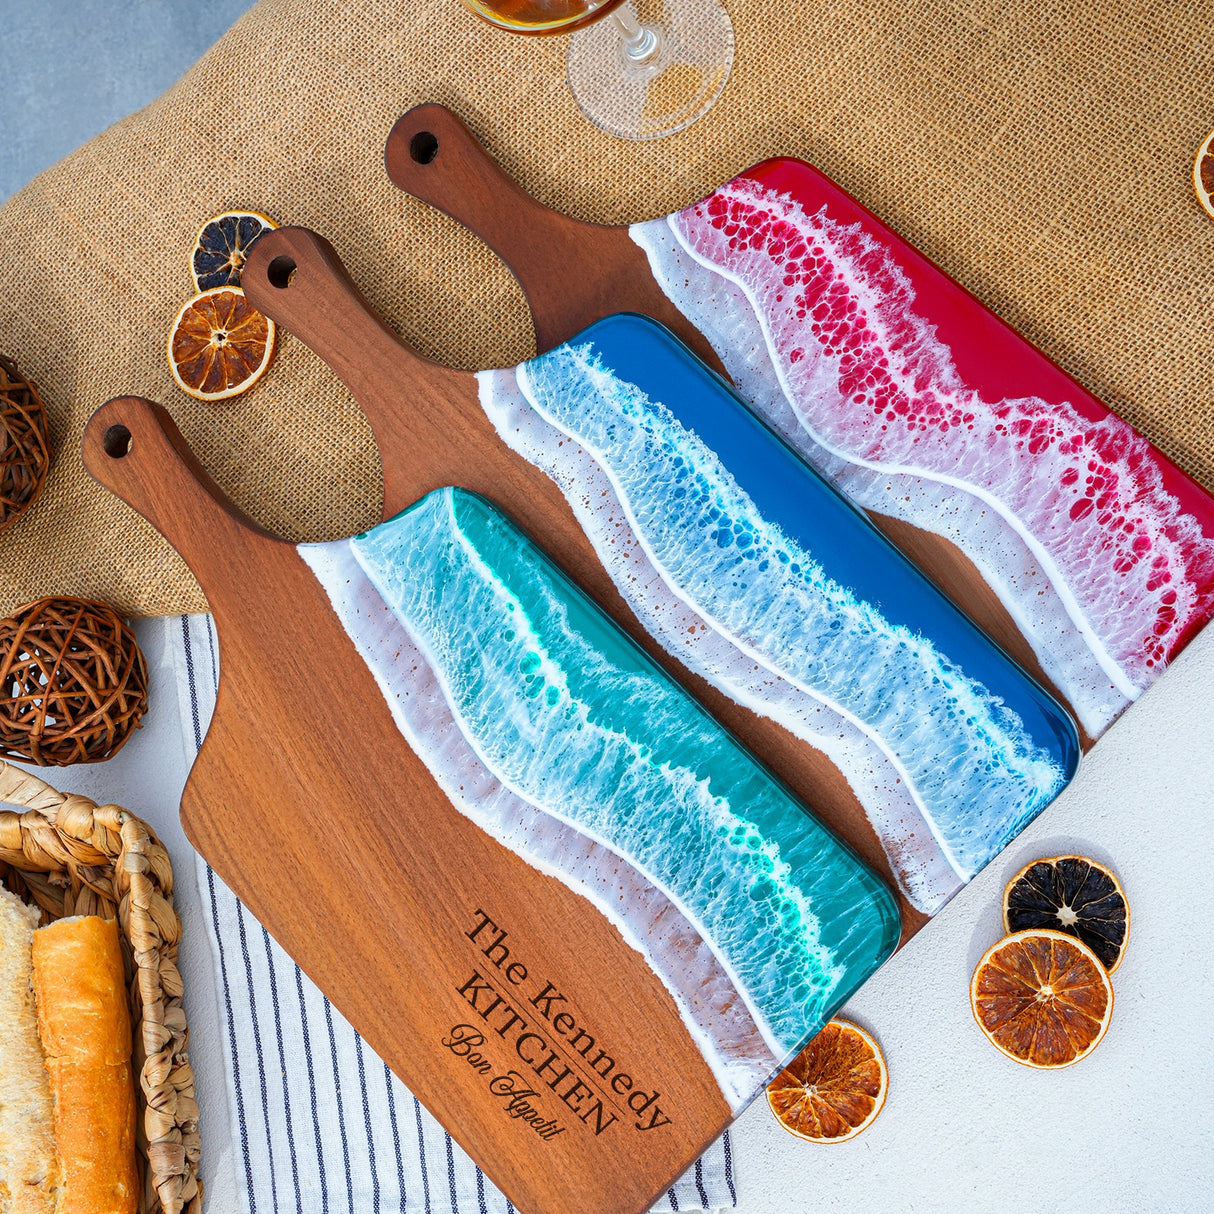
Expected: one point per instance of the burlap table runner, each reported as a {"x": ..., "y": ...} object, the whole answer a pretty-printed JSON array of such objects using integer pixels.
[{"x": 1040, "y": 153}]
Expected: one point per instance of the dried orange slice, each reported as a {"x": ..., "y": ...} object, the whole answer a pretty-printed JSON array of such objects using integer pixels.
[
  {"x": 219, "y": 345},
  {"x": 1203, "y": 174},
  {"x": 1042, "y": 997},
  {"x": 1075, "y": 895},
  {"x": 223, "y": 244},
  {"x": 834, "y": 1088}
]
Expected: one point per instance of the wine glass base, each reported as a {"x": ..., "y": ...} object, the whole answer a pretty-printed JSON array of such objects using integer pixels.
[{"x": 664, "y": 91}]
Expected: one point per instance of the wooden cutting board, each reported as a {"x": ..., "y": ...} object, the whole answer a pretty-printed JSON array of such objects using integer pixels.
[
  {"x": 1057, "y": 527},
  {"x": 756, "y": 585},
  {"x": 569, "y": 910},
  {"x": 567, "y": 907}
]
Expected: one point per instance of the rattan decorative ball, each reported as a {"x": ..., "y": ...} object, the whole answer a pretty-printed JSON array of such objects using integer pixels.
[
  {"x": 73, "y": 682},
  {"x": 25, "y": 446}
]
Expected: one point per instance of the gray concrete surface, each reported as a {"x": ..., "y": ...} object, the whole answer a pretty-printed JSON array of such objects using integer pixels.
[{"x": 71, "y": 67}]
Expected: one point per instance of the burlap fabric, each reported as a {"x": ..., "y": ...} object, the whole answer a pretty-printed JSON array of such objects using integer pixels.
[{"x": 1040, "y": 153}]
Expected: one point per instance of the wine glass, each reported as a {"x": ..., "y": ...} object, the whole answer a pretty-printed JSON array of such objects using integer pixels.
[{"x": 638, "y": 75}]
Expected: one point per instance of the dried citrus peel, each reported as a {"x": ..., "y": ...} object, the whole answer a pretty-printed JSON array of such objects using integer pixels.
[
  {"x": 1042, "y": 997},
  {"x": 1203, "y": 174},
  {"x": 834, "y": 1088},
  {"x": 1075, "y": 895},
  {"x": 219, "y": 345},
  {"x": 223, "y": 245}
]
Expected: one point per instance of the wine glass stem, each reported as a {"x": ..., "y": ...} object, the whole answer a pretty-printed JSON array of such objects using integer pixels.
[{"x": 641, "y": 42}]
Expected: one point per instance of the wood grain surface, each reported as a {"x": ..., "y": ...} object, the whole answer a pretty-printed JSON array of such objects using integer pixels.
[
  {"x": 308, "y": 802},
  {"x": 572, "y": 273}
]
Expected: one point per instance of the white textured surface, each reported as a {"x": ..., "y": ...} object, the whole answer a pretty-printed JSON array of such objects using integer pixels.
[
  {"x": 964, "y": 1128},
  {"x": 1126, "y": 1129}
]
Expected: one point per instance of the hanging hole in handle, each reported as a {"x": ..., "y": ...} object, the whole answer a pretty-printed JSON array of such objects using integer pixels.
[
  {"x": 116, "y": 441},
  {"x": 281, "y": 271},
  {"x": 423, "y": 147}
]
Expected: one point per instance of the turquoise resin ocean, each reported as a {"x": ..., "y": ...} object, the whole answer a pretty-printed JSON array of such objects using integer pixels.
[
  {"x": 760, "y": 577},
  {"x": 554, "y": 732}
]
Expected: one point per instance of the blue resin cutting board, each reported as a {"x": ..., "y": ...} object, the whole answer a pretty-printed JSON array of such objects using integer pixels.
[
  {"x": 767, "y": 583},
  {"x": 803, "y": 629}
]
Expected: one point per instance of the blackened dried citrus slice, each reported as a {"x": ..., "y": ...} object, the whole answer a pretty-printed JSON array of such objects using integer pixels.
[
  {"x": 1075, "y": 895},
  {"x": 219, "y": 345},
  {"x": 1203, "y": 174},
  {"x": 1042, "y": 998},
  {"x": 222, "y": 246},
  {"x": 834, "y": 1088}
]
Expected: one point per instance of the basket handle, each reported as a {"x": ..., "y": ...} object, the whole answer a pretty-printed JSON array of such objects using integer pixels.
[
  {"x": 20, "y": 787},
  {"x": 70, "y": 815}
]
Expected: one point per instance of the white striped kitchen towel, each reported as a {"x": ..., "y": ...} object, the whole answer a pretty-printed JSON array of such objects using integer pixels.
[{"x": 319, "y": 1122}]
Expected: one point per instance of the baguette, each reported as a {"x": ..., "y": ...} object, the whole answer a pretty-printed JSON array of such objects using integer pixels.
[
  {"x": 29, "y": 1168},
  {"x": 85, "y": 1029}
]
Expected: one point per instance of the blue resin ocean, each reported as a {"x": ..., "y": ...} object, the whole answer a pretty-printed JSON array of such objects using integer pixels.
[
  {"x": 757, "y": 575},
  {"x": 559, "y": 737}
]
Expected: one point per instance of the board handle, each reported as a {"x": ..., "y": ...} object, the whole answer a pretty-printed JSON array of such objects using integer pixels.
[
  {"x": 572, "y": 273},
  {"x": 432, "y": 155},
  {"x": 132, "y": 446},
  {"x": 295, "y": 277}
]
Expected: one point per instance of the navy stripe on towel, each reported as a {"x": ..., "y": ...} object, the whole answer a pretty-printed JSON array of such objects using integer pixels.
[
  {"x": 389, "y": 1082},
  {"x": 421, "y": 1154},
  {"x": 362, "y": 1084},
  {"x": 307, "y": 1050},
  {"x": 451, "y": 1173},
  {"x": 282, "y": 1062},
  {"x": 260, "y": 1062}
]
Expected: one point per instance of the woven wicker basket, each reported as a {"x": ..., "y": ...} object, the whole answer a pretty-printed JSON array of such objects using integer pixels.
[{"x": 73, "y": 857}]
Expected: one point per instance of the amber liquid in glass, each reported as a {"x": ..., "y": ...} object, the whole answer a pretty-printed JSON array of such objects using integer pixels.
[{"x": 541, "y": 16}]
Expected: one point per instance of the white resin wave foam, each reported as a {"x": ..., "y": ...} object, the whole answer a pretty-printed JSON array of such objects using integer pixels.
[
  {"x": 1065, "y": 518},
  {"x": 687, "y": 548}
]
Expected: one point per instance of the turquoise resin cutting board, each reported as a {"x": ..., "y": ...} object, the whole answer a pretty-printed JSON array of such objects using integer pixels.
[
  {"x": 572, "y": 912},
  {"x": 560, "y": 738}
]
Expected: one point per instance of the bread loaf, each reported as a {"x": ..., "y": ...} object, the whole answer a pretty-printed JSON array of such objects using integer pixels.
[
  {"x": 29, "y": 1170},
  {"x": 85, "y": 1030}
]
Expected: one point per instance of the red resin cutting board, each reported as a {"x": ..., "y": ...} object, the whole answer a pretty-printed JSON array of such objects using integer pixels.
[{"x": 1063, "y": 532}]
